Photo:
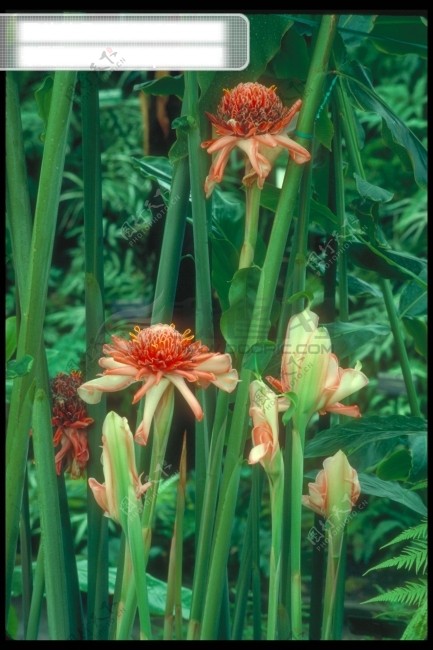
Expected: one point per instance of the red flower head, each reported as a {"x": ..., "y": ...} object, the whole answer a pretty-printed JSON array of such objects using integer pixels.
[
  {"x": 70, "y": 418},
  {"x": 253, "y": 118}
]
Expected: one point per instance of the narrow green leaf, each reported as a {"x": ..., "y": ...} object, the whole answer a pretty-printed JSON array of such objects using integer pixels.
[
  {"x": 413, "y": 299},
  {"x": 388, "y": 489},
  {"x": 373, "y": 192},
  {"x": 43, "y": 101},
  {"x": 168, "y": 85},
  {"x": 417, "y": 329},
  {"x": 400, "y": 35},
  {"x": 386, "y": 262},
  {"x": 353, "y": 29},
  {"x": 358, "y": 287}
]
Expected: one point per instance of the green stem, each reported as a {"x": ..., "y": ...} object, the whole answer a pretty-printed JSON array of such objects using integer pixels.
[
  {"x": 256, "y": 496},
  {"x": 259, "y": 329},
  {"x": 400, "y": 345},
  {"x": 252, "y": 211},
  {"x": 343, "y": 293},
  {"x": 97, "y": 608},
  {"x": 51, "y": 526},
  {"x": 26, "y": 555},
  {"x": 297, "y": 477},
  {"x": 203, "y": 287},
  {"x": 18, "y": 201},
  {"x": 33, "y": 305},
  {"x": 37, "y": 598},
  {"x": 340, "y": 592},
  {"x": 301, "y": 242},
  {"x": 276, "y": 486},
  {"x": 317, "y": 585},
  {"x": 203, "y": 552},
  {"x": 334, "y": 554}
]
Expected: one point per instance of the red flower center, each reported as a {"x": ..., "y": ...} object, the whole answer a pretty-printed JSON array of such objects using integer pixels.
[
  {"x": 158, "y": 348},
  {"x": 250, "y": 109}
]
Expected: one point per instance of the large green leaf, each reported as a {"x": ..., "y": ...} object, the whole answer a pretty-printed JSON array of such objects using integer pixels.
[
  {"x": 400, "y": 35},
  {"x": 413, "y": 299},
  {"x": 391, "y": 490},
  {"x": 292, "y": 61},
  {"x": 395, "y": 467},
  {"x": 354, "y": 28},
  {"x": 386, "y": 262},
  {"x": 358, "y": 287},
  {"x": 156, "y": 168},
  {"x": 367, "y": 99},
  {"x": 358, "y": 433},
  {"x": 417, "y": 329},
  {"x": 167, "y": 85},
  {"x": 373, "y": 192},
  {"x": 266, "y": 32},
  {"x": 347, "y": 338}
]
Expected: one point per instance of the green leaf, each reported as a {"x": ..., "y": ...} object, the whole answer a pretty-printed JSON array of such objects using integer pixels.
[
  {"x": 156, "y": 168},
  {"x": 418, "y": 448},
  {"x": 372, "y": 192},
  {"x": 324, "y": 129},
  {"x": 266, "y": 32},
  {"x": 323, "y": 216},
  {"x": 43, "y": 101},
  {"x": 347, "y": 338},
  {"x": 292, "y": 61},
  {"x": 400, "y": 35},
  {"x": 184, "y": 123},
  {"x": 167, "y": 85},
  {"x": 395, "y": 147},
  {"x": 19, "y": 367},
  {"x": 386, "y": 262},
  {"x": 358, "y": 287},
  {"x": 413, "y": 299},
  {"x": 367, "y": 99},
  {"x": 258, "y": 356},
  {"x": 179, "y": 148},
  {"x": 358, "y": 433},
  {"x": 395, "y": 467},
  {"x": 236, "y": 320},
  {"x": 417, "y": 329},
  {"x": 226, "y": 241},
  {"x": 390, "y": 490},
  {"x": 353, "y": 29},
  {"x": 157, "y": 591},
  {"x": 11, "y": 336}
]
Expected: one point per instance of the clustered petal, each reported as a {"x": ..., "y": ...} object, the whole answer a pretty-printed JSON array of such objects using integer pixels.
[
  {"x": 252, "y": 117},
  {"x": 159, "y": 356},
  {"x": 264, "y": 413},
  {"x": 70, "y": 419}
]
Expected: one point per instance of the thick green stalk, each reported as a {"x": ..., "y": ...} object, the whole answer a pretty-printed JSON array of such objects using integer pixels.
[
  {"x": 26, "y": 555},
  {"x": 203, "y": 552},
  {"x": 97, "y": 597},
  {"x": 355, "y": 158},
  {"x": 18, "y": 201},
  {"x": 37, "y": 597},
  {"x": 260, "y": 326},
  {"x": 297, "y": 477},
  {"x": 171, "y": 249},
  {"x": 317, "y": 585},
  {"x": 252, "y": 211},
  {"x": 334, "y": 554},
  {"x": 400, "y": 346},
  {"x": 203, "y": 288},
  {"x": 276, "y": 487},
  {"x": 343, "y": 293},
  {"x": 337, "y": 628},
  {"x": 301, "y": 241},
  {"x": 33, "y": 304},
  {"x": 51, "y": 525},
  {"x": 256, "y": 496}
]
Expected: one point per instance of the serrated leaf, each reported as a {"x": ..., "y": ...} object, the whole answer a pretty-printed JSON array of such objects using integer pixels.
[
  {"x": 11, "y": 336},
  {"x": 167, "y": 85},
  {"x": 373, "y": 192},
  {"x": 19, "y": 367},
  {"x": 347, "y": 338}
]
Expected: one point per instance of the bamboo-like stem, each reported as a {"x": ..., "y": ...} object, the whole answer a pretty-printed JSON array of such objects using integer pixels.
[
  {"x": 259, "y": 329},
  {"x": 37, "y": 266},
  {"x": 332, "y": 569},
  {"x": 276, "y": 487},
  {"x": 97, "y": 597},
  {"x": 37, "y": 597},
  {"x": 252, "y": 211},
  {"x": 26, "y": 555}
]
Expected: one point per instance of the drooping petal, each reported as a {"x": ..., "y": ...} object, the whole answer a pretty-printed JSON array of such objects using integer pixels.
[
  {"x": 227, "y": 381},
  {"x": 100, "y": 493},
  {"x": 351, "y": 410},
  {"x": 299, "y": 154},
  {"x": 351, "y": 381},
  {"x": 179, "y": 383},
  {"x": 91, "y": 391},
  {"x": 217, "y": 364},
  {"x": 153, "y": 396},
  {"x": 258, "y": 452}
]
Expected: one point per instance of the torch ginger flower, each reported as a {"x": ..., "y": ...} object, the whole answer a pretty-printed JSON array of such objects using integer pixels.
[
  {"x": 253, "y": 118},
  {"x": 121, "y": 492},
  {"x": 311, "y": 371},
  {"x": 335, "y": 490},
  {"x": 70, "y": 418},
  {"x": 159, "y": 356}
]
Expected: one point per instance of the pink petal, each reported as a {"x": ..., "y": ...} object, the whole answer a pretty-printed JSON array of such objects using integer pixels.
[
  {"x": 91, "y": 391},
  {"x": 351, "y": 411},
  {"x": 299, "y": 154},
  {"x": 179, "y": 383},
  {"x": 227, "y": 382},
  {"x": 350, "y": 382},
  {"x": 100, "y": 493},
  {"x": 153, "y": 397},
  {"x": 257, "y": 453},
  {"x": 217, "y": 364}
]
